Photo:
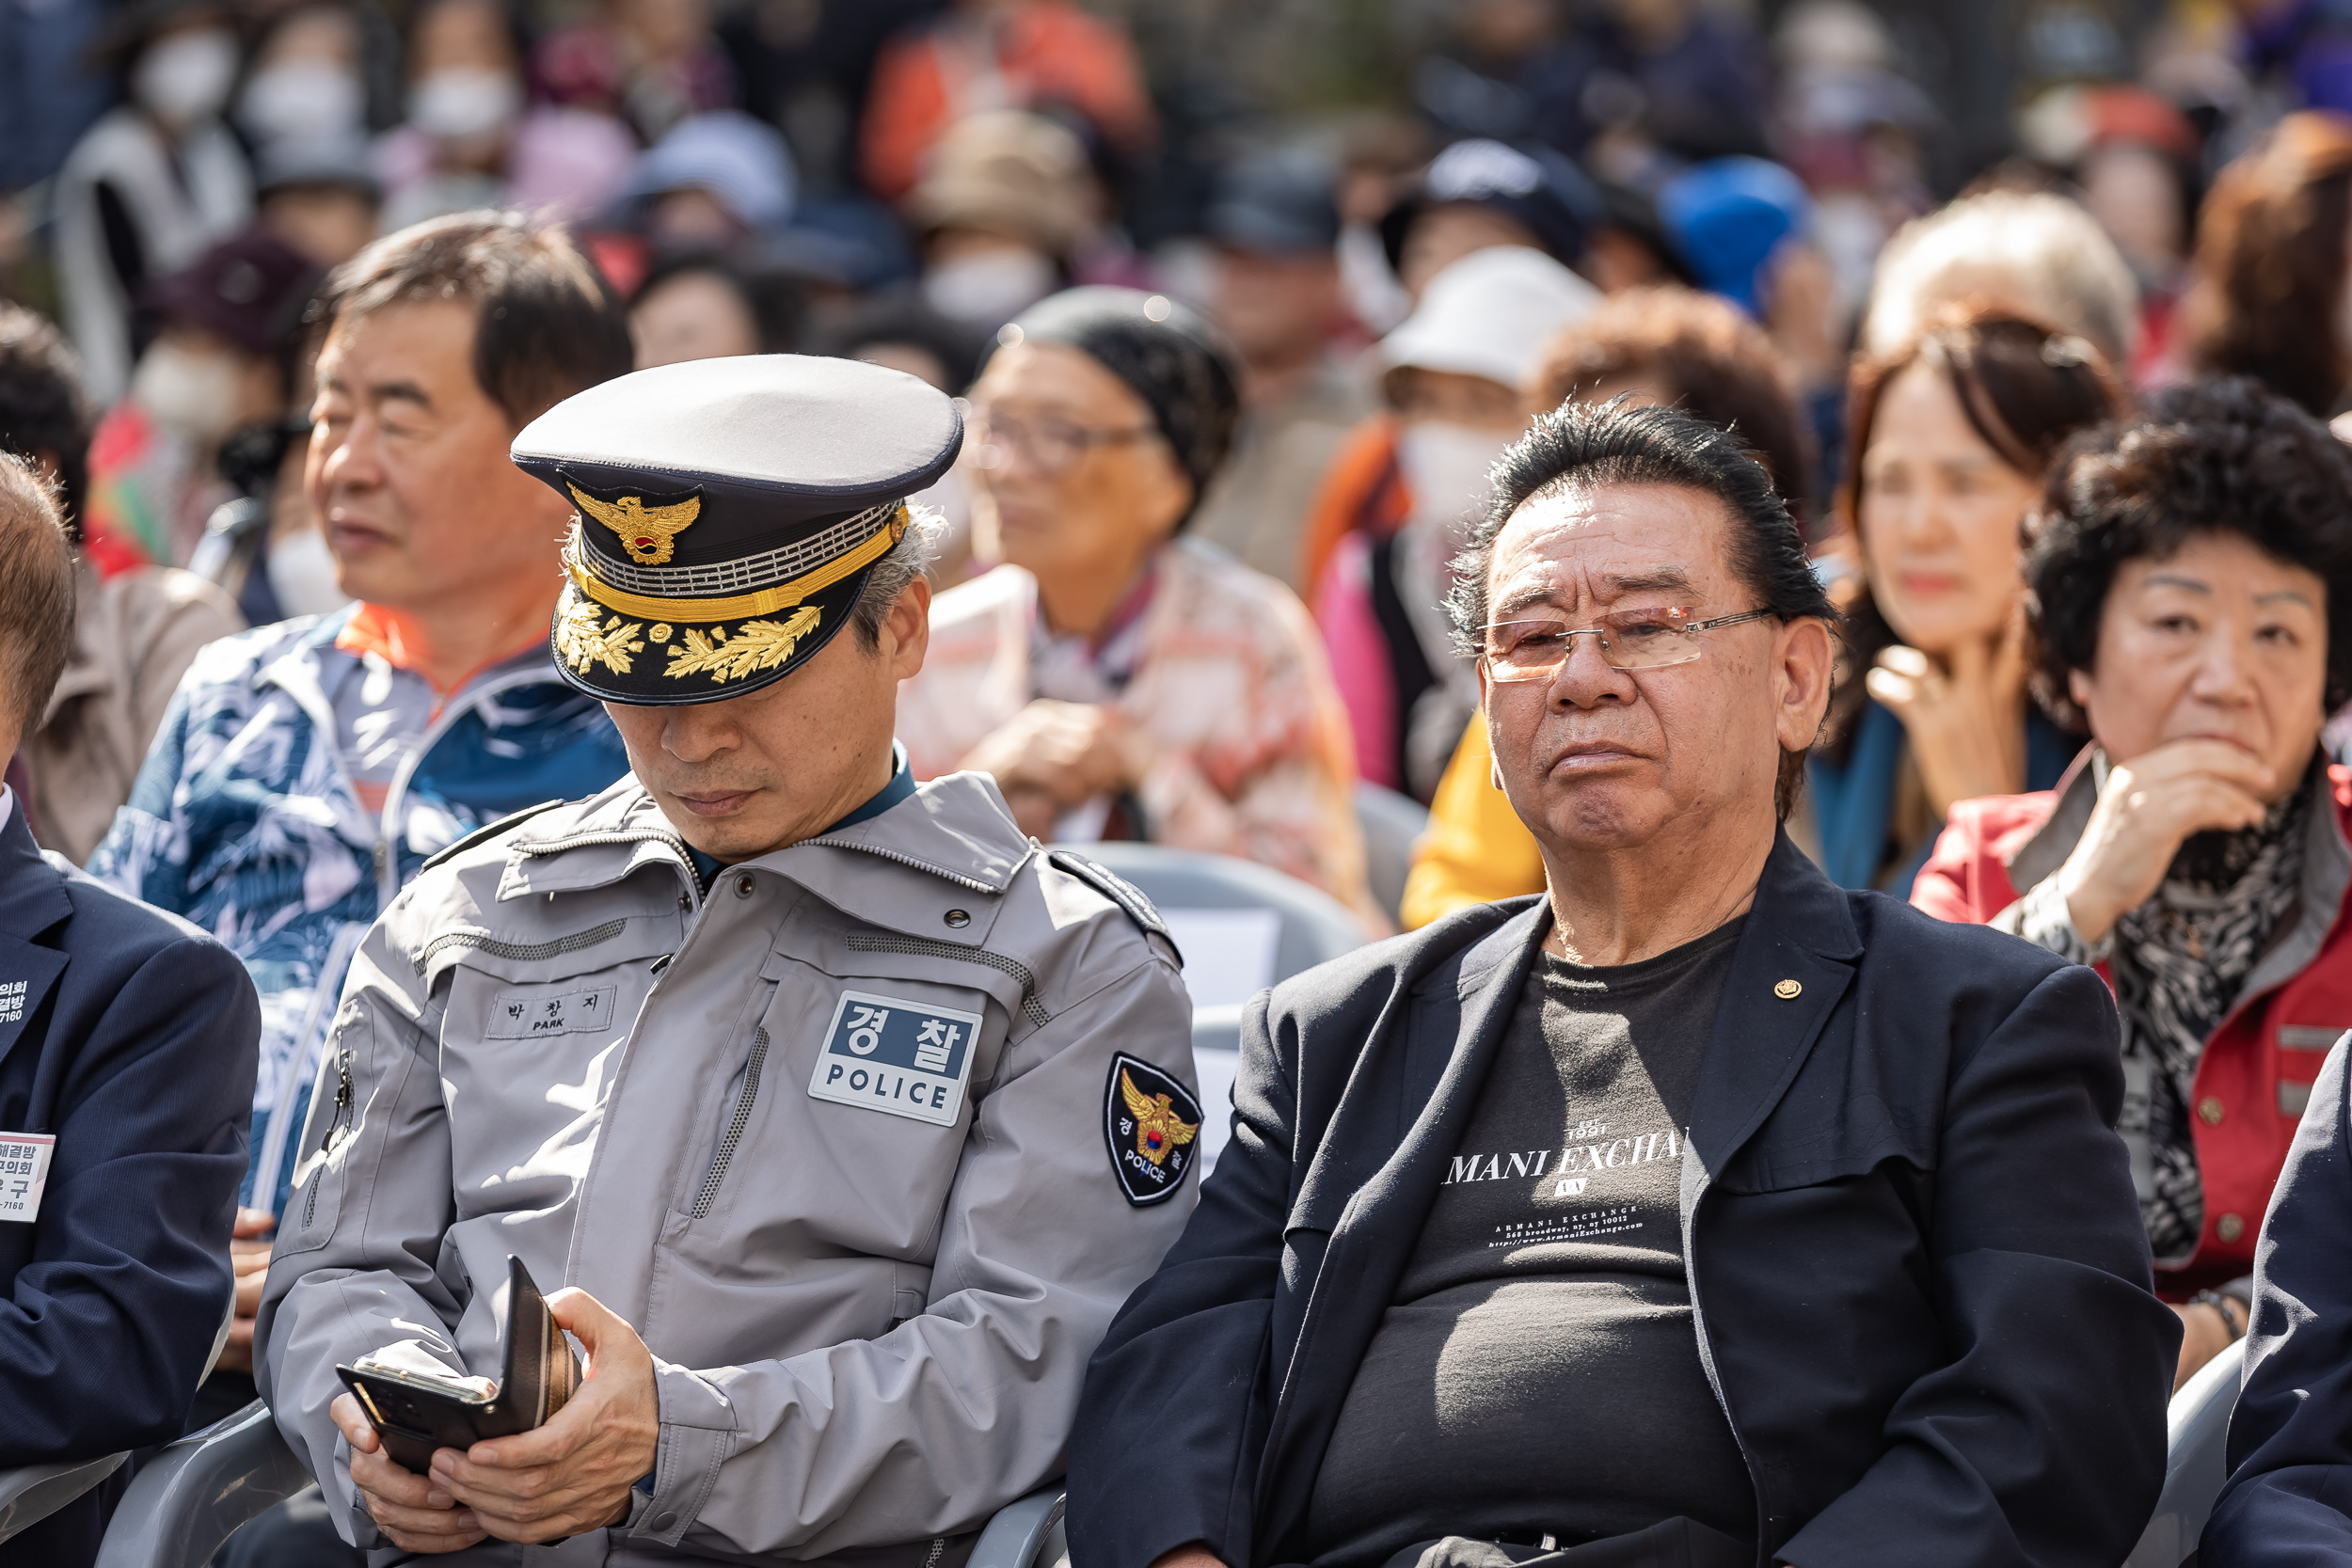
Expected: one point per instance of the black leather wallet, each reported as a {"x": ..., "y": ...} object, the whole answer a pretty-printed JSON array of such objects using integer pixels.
[{"x": 415, "y": 1412}]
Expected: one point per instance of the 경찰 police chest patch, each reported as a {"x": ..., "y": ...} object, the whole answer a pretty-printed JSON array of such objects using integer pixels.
[
  {"x": 886, "y": 1053},
  {"x": 1152, "y": 1125}
]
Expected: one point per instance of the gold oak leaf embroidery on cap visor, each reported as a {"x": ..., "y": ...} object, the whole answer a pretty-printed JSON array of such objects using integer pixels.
[
  {"x": 756, "y": 645},
  {"x": 583, "y": 643},
  {"x": 646, "y": 532}
]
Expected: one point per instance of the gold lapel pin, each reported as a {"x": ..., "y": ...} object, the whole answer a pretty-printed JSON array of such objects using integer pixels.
[{"x": 1788, "y": 991}]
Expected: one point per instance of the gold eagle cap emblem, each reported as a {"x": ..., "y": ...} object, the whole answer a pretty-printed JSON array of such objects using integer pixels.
[
  {"x": 646, "y": 532},
  {"x": 1158, "y": 1127}
]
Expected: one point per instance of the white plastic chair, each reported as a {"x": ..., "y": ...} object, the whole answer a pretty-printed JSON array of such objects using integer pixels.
[
  {"x": 1391, "y": 824},
  {"x": 1311, "y": 928},
  {"x": 31, "y": 1493},
  {"x": 201, "y": 1489},
  {"x": 2197, "y": 1426}
]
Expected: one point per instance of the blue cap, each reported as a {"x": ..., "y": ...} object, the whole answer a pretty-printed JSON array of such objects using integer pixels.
[{"x": 1726, "y": 217}]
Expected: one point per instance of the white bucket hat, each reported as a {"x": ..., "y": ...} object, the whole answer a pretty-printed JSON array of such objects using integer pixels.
[{"x": 1491, "y": 313}]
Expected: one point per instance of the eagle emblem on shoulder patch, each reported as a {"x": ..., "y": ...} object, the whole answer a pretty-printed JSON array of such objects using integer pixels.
[{"x": 1151, "y": 1124}]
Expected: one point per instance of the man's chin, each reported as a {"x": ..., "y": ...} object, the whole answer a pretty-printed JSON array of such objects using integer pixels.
[{"x": 727, "y": 827}]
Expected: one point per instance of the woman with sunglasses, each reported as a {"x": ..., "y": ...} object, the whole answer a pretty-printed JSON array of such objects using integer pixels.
[
  {"x": 1949, "y": 438},
  {"x": 1119, "y": 680}
]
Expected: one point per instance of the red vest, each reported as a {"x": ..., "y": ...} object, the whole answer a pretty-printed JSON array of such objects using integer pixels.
[{"x": 2255, "y": 1075}]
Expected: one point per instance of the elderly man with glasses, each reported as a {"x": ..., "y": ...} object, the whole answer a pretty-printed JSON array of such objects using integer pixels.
[{"x": 1696, "y": 1213}]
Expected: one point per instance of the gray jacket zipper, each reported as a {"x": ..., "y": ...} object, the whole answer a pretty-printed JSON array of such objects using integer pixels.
[
  {"x": 736, "y": 1124},
  {"x": 941, "y": 872},
  {"x": 926, "y": 948},
  {"x": 334, "y": 1129}
]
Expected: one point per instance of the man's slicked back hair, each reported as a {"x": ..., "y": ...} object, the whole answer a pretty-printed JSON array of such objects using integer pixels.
[
  {"x": 36, "y": 591},
  {"x": 545, "y": 325},
  {"x": 1579, "y": 447}
]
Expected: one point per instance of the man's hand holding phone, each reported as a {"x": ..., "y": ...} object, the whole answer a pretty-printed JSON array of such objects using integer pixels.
[{"x": 567, "y": 1476}]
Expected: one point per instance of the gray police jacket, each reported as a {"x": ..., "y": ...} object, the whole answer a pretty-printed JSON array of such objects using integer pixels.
[{"x": 846, "y": 1142}]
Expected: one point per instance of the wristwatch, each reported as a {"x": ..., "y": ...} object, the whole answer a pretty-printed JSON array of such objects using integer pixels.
[{"x": 2222, "y": 1304}]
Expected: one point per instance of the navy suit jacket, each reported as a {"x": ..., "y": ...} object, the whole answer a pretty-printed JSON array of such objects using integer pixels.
[
  {"x": 1920, "y": 1284},
  {"x": 135, "y": 1046},
  {"x": 2289, "y": 1496}
]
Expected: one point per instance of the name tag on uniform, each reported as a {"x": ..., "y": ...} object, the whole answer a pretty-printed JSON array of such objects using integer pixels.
[
  {"x": 907, "y": 1058},
  {"x": 521, "y": 1015},
  {"x": 23, "y": 1172}
]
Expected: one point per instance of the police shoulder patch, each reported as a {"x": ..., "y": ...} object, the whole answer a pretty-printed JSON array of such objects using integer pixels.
[
  {"x": 1119, "y": 891},
  {"x": 487, "y": 829},
  {"x": 1151, "y": 1124}
]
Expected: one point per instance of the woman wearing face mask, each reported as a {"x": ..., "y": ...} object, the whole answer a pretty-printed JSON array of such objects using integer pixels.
[
  {"x": 1003, "y": 205},
  {"x": 1118, "y": 680},
  {"x": 219, "y": 361},
  {"x": 1949, "y": 434},
  {"x": 2192, "y": 577},
  {"x": 1454, "y": 371},
  {"x": 471, "y": 140},
  {"x": 152, "y": 184},
  {"x": 304, "y": 87}
]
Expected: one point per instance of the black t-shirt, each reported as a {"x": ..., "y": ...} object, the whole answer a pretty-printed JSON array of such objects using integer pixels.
[{"x": 1538, "y": 1371}]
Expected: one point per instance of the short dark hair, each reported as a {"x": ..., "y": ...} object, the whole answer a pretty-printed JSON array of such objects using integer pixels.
[
  {"x": 774, "y": 300},
  {"x": 2219, "y": 456},
  {"x": 36, "y": 589},
  {"x": 41, "y": 409},
  {"x": 545, "y": 325},
  {"x": 1617, "y": 443},
  {"x": 1711, "y": 358}
]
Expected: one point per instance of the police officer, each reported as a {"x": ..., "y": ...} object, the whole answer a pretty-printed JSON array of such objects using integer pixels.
[{"x": 847, "y": 1114}]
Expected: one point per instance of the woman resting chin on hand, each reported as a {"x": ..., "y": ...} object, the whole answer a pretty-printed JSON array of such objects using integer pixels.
[
  {"x": 1951, "y": 433},
  {"x": 2187, "y": 572}
]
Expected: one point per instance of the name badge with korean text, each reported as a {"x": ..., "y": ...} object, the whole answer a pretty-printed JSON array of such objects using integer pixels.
[
  {"x": 23, "y": 1172},
  {"x": 886, "y": 1053},
  {"x": 521, "y": 1015}
]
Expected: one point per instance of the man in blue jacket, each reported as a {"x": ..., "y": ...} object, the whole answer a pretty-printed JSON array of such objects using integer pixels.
[
  {"x": 306, "y": 770},
  {"x": 1699, "y": 1212},
  {"x": 126, "y": 1057}
]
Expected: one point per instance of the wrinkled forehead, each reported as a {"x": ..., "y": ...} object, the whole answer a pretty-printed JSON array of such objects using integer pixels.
[{"x": 1592, "y": 546}]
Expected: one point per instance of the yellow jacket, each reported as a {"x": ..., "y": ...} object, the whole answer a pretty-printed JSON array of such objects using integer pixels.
[{"x": 1476, "y": 849}]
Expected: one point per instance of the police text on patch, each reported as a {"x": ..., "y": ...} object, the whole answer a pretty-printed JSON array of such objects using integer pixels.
[{"x": 906, "y": 1058}]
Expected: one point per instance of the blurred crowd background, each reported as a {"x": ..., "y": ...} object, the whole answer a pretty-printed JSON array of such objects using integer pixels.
[{"x": 1414, "y": 222}]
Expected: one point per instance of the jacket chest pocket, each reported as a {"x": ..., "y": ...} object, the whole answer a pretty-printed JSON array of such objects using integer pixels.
[
  {"x": 543, "y": 1047},
  {"x": 1819, "y": 1145},
  {"x": 845, "y": 1125}
]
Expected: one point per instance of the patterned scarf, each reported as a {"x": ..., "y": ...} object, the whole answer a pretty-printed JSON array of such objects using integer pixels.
[{"x": 2181, "y": 959}]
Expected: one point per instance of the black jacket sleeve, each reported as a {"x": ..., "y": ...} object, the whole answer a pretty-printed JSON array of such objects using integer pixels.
[
  {"x": 2289, "y": 1496},
  {"x": 1171, "y": 1420},
  {"x": 104, "y": 1334},
  {"x": 2042, "y": 1438}
]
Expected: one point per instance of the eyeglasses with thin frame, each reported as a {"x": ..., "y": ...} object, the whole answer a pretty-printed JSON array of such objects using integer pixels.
[
  {"x": 1534, "y": 650},
  {"x": 1052, "y": 445}
]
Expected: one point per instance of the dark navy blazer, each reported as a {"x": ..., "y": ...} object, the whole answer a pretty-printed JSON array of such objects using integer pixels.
[
  {"x": 2289, "y": 1496},
  {"x": 1921, "y": 1286},
  {"x": 135, "y": 1048}
]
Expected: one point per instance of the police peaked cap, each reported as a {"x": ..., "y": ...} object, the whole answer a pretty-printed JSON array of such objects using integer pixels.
[{"x": 727, "y": 514}]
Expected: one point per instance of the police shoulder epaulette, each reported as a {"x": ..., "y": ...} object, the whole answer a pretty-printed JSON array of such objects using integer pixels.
[
  {"x": 487, "y": 829},
  {"x": 1119, "y": 891}
]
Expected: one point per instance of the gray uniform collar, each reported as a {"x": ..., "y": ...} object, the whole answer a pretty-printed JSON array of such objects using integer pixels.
[{"x": 955, "y": 829}]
